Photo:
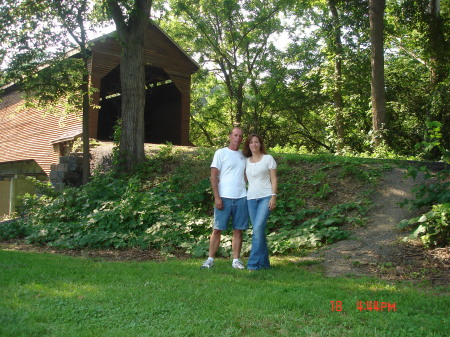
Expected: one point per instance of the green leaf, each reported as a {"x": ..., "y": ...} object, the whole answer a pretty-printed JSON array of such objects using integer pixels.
[
  {"x": 420, "y": 230},
  {"x": 423, "y": 218}
]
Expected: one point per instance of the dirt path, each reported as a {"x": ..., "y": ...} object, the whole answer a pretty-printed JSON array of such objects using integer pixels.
[{"x": 378, "y": 249}]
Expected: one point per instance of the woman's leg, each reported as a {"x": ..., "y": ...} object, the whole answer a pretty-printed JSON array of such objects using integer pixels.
[{"x": 259, "y": 213}]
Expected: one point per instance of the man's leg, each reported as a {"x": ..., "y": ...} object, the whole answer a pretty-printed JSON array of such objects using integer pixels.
[
  {"x": 237, "y": 243},
  {"x": 221, "y": 218},
  {"x": 240, "y": 223},
  {"x": 214, "y": 242}
]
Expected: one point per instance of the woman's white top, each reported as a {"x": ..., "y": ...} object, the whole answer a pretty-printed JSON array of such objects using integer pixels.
[{"x": 258, "y": 176}]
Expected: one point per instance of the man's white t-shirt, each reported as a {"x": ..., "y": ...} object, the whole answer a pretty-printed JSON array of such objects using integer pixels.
[
  {"x": 231, "y": 166},
  {"x": 258, "y": 176}
]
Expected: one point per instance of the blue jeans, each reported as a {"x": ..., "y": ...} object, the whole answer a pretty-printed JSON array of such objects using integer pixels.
[
  {"x": 236, "y": 209},
  {"x": 258, "y": 210}
]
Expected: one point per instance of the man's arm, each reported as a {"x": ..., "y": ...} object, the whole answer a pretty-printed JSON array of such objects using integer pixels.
[{"x": 215, "y": 187}]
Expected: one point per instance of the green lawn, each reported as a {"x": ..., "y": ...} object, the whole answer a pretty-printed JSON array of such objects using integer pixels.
[{"x": 55, "y": 295}]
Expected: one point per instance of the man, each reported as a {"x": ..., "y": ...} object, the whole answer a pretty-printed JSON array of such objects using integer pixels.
[{"x": 230, "y": 197}]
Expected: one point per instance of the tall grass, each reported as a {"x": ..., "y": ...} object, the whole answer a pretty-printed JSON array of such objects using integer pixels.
[{"x": 54, "y": 295}]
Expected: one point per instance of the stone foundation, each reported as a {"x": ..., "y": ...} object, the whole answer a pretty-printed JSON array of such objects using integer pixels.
[{"x": 69, "y": 172}]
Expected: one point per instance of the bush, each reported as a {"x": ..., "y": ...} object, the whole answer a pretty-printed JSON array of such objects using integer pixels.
[
  {"x": 167, "y": 204},
  {"x": 116, "y": 211},
  {"x": 431, "y": 227},
  {"x": 12, "y": 229}
]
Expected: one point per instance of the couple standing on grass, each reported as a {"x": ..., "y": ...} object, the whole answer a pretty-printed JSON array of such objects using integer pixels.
[{"x": 229, "y": 171}]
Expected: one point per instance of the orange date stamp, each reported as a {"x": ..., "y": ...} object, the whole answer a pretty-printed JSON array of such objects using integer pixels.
[{"x": 377, "y": 306}]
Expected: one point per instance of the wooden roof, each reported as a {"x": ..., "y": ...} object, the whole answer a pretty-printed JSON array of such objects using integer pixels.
[
  {"x": 31, "y": 134},
  {"x": 160, "y": 52}
]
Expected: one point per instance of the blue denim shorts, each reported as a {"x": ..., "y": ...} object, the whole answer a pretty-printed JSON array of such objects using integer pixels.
[{"x": 234, "y": 209}]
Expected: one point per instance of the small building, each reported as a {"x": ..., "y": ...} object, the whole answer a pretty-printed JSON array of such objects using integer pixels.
[{"x": 32, "y": 141}]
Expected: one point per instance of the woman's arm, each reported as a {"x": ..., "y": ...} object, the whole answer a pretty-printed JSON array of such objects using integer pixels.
[{"x": 274, "y": 182}]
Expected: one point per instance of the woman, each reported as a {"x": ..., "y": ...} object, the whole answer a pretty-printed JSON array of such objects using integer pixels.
[{"x": 261, "y": 175}]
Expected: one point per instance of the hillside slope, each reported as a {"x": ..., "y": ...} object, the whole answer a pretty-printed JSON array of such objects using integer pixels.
[
  {"x": 376, "y": 249},
  {"x": 379, "y": 249}
]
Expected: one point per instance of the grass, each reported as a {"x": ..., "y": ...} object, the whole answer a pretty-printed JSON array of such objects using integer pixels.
[{"x": 56, "y": 295}]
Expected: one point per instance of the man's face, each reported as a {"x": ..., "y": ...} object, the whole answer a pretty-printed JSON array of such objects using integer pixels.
[{"x": 236, "y": 137}]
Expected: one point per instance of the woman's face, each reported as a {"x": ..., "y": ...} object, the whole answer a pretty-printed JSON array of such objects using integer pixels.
[{"x": 255, "y": 144}]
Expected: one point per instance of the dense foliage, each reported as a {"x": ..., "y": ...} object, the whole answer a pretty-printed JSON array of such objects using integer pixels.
[
  {"x": 287, "y": 91},
  {"x": 271, "y": 67},
  {"x": 432, "y": 227},
  {"x": 167, "y": 205}
]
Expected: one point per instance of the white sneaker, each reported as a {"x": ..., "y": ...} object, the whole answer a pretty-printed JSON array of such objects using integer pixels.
[
  {"x": 238, "y": 264},
  {"x": 208, "y": 264}
]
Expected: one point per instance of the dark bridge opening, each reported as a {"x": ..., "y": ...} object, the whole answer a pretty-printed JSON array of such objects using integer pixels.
[{"x": 162, "y": 107}]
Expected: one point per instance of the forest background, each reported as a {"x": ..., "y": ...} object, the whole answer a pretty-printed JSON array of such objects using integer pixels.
[{"x": 313, "y": 93}]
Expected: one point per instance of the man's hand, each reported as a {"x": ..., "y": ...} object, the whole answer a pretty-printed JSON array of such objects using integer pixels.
[{"x": 218, "y": 203}]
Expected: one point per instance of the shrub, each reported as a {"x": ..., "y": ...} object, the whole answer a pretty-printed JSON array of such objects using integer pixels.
[
  {"x": 431, "y": 227},
  {"x": 167, "y": 204},
  {"x": 11, "y": 229}
]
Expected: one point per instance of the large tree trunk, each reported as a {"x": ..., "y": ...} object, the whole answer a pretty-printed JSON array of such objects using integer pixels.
[
  {"x": 438, "y": 45},
  {"x": 439, "y": 60},
  {"x": 132, "y": 34},
  {"x": 376, "y": 16},
  {"x": 337, "y": 96},
  {"x": 132, "y": 78},
  {"x": 239, "y": 104}
]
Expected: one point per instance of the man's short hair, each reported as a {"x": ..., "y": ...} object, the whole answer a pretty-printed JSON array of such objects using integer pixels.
[{"x": 234, "y": 127}]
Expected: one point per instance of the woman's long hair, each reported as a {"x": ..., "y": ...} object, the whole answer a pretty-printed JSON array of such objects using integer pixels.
[{"x": 246, "y": 149}]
